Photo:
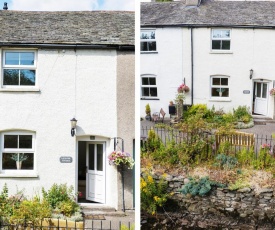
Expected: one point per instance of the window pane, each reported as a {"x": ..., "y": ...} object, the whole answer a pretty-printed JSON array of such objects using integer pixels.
[
  {"x": 153, "y": 92},
  {"x": 11, "y": 141},
  {"x": 152, "y": 46},
  {"x": 225, "y": 45},
  {"x": 7, "y": 161},
  {"x": 216, "y": 81},
  {"x": 92, "y": 157},
  {"x": 27, "y": 77},
  {"x": 152, "y": 81},
  {"x": 147, "y": 35},
  {"x": 145, "y": 81},
  {"x": 264, "y": 93},
  {"x": 224, "y": 81},
  {"x": 11, "y": 77},
  {"x": 28, "y": 163},
  {"x": 27, "y": 58},
  {"x": 258, "y": 93},
  {"x": 226, "y": 33},
  {"x": 11, "y": 58},
  {"x": 220, "y": 92},
  {"x": 25, "y": 141},
  {"x": 216, "y": 44},
  {"x": 143, "y": 46},
  {"x": 99, "y": 155},
  {"x": 225, "y": 92},
  {"x": 216, "y": 33},
  {"x": 10, "y": 161},
  {"x": 145, "y": 92},
  {"x": 214, "y": 92}
]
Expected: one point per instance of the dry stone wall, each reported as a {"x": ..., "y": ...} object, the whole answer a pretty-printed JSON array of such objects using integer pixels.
[{"x": 221, "y": 209}]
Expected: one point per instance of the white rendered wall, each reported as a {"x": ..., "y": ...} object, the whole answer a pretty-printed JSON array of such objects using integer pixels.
[
  {"x": 250, "y": 49},
  {"x": 167, "y": 65},
  {"x": 71, "y": 85}
]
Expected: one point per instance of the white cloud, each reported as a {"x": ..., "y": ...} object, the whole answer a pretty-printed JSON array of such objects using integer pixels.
[{"x": 70, "y": 5}]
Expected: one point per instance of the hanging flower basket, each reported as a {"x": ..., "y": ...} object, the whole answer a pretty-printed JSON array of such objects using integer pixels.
[
  {"x": 119, "y": 158},
  {"x": 272, "y": 92},
  {"x": 183, "y": 88}
]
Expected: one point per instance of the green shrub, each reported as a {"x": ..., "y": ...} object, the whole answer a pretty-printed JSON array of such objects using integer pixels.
[
  {"x": 153, "y": 141},
  {"x": 200, "y": 186},
  {"x": 226, "y": 162},
  {"x": 242, "y": 113},
  {"x": 238, "y": 184},
  {"x": 57, "y": 194},
  {"x": 67, "y": 207},
  {"x": 153, "y": 193},
  {"x": 32, "y": 211},
  {"x": 201, "y": 109}
]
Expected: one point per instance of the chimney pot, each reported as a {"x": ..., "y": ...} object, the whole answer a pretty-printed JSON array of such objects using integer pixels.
[{"x": 5, "y": 6}]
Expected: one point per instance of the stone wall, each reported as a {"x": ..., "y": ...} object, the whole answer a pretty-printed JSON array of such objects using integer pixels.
[{"x": 241, "y": 209}]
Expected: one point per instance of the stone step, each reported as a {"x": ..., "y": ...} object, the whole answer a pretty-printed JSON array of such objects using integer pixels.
[{"x": 100, "y": 210}]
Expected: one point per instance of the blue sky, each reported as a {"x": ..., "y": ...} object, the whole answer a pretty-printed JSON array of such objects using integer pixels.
[{"x": 70, "y": 5}]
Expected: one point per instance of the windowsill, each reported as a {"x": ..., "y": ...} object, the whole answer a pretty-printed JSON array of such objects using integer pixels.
[
  {"x": 221, "y": 52},
  {"x": 149, "y": 98},
  {"x": 148, "y": 52},
  {"x": 16, "y": 175},
  {"x": 220, "y": 99},
  {"x": 19, "y": 90}
]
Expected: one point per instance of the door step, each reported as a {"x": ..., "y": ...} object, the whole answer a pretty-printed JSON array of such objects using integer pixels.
[
  {"x": 93, "y": 210},
  {"x": 262, "y": 120}
]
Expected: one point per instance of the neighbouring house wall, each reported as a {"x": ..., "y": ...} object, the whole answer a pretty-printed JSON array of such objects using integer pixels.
[
  {"x": 167, "y": 64},
  {"x": 250, "y": 49},
  {"x": 71, "y": 84},
  {"x": 126, "y": 118}
]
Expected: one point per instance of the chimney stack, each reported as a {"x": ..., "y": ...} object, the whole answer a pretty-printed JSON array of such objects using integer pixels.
[{"x": 5, "y": 6}]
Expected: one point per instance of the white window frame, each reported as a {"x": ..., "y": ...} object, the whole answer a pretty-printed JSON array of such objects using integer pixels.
[
  {"x": 28, "y": 67},
  {"x": 219, "y": 86},
  {"x": 15, "y": 172},
  {"x": 148, "y": 40},
  {"x": 149, "y": 86},
  {"x": 221, "y": 39}
]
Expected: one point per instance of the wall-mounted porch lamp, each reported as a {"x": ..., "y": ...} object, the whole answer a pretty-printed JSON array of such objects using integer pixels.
[
  {"x": 251, "y": 74},
  {"x": 73, "y": 125}
]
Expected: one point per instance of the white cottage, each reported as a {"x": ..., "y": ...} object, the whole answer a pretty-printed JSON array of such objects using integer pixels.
[
  {"x": 223, "y": 50},
  {"x": 56, "y": 66}
]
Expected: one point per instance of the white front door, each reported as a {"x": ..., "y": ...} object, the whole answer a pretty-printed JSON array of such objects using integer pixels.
[
  {"x": 261, "y": 90},
  {"x": 95, "y": 177}
]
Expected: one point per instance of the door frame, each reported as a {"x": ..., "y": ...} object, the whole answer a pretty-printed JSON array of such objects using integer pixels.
[
  {"x": 104, "y": 168},
  {"x": 267, "y": 94},
  {"x": 99, "y": 139}
]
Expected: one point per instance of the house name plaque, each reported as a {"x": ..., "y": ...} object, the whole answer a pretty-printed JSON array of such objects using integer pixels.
[
  {"x": 246, "y": 92},
  {"x": 65, "y": 159}
]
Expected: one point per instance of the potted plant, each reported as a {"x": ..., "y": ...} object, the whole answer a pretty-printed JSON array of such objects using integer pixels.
[
  {"x": 183, "y": 88},
  {"x": 19, "y": 158},
  {"x": 119, "y": 158},
  {"x": 148, "y": 112},
  {"x": 220, "y": 91},
  {"x": 272, "y": 92}
]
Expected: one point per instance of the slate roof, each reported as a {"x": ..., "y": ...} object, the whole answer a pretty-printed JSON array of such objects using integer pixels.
[
  {"x": 220, "y": 13},
  {"x": 67, "y": 27}
]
